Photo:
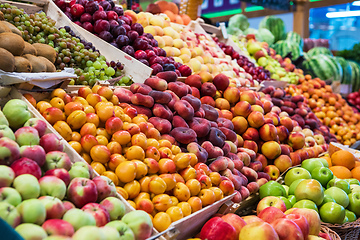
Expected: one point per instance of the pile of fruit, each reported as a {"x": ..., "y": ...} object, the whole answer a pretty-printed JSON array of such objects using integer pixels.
[
  {"x": 64, "y": 48},
  {"x": 121, "y": 29},
  {"x": 330, "y": 108},
  {"x": 42, "y": 193},
  {"x": 171, "y": 10},
  {"x": 328, "y": 185}
]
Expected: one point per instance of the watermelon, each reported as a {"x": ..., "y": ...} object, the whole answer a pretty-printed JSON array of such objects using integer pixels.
[
  {"x": 275, "y": 25},
  {"x": 355, "y": 76},
  {"x": 324, "y": 67},
  {"x": 284, "y": 47},
  {"x": 346, "y": 68},
  {"x": 319, "y": 50},
  {"x": 295, "y": 37}
]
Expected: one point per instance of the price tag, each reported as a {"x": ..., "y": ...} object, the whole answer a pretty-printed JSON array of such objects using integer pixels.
[{"x": 223, "y": 30}]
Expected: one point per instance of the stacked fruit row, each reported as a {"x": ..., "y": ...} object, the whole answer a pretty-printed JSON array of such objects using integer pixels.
[
  {"x": 70, "y": 50},
  {"x": 327, "y": 185},
  {"x": 43, "y": 194},
  {"x": 330, "y": 108},
  {"x": 119, "y": 28},
  {"x": 198, "y": 51}
]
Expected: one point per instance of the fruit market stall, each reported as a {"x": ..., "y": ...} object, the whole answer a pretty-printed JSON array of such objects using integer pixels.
[{"x": 189, "y": 146}]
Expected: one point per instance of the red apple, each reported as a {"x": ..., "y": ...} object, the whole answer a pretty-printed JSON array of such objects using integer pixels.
[{"x": 82, "y": 191}]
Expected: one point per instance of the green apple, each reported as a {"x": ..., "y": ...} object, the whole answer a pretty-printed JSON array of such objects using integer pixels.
[
  {"x": 32, "y": 211},
  {"x": 89, "y": 232},
  {"x": 3, "y": 120},
  {"x": 5, "y": 131},
  {"x": 78, "y": 218},
  {"x": 306, "y": 204},
  {"x": 354, "y": 203},
  {"x": 350, "y": 215},
  {"x": 262, "y": 61},
  {"x": 253, "y": 47},
  {"x": 7, "y": 176},
  {"x": 346, "y": 219},
  {"x": 322, "y": 174},
  {"x": 9, "y": 214},
  {"x": 27, "y": 185},
  {"x": 354, "y": 188},
  {"x": 114, "y": 206},
  {"x": 338, "y": 195},
  {"x": 327, "y": 198},
  {"x": 52, "y": 186},
  {"x": 332, "y": 213},
  {"x": 296, "y": 173},
  {"x": 286, "y": 201},
  {"x": 286, "y": 189},
  {"x": 294, "y": 185},
  {"x": 123, "y": 229},
  {"x": 79, "y": 169},
  {"x": 292, "y": 199},
  {"x": 353, "y": 181},
  {"x": 311, "y": 164},
  {"x": 110, "y": 233},
  {"x": 323, "y": 160},
  {"x": 31, "y": 231},
  {"x": 310, "y": 189},
  {"x": 139, "y": 222},
  {"x": 272, "y": 188},
  {"x": 10, "y": 195},
  {"x": 340, "y": 183},
  {"x": 17, "y": 113}
]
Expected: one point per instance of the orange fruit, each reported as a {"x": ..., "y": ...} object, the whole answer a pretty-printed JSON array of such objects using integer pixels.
[
  {"x": 161, "y": 221},
  {"x": 341, "y": 172},
  {"x": 343, "y": 158},
  {"x": 357, "y": 163},
  {"x": 356, "y": 173},
  {"x": 328, "y": 159}
]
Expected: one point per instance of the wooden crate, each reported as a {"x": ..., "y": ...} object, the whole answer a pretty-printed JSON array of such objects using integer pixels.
[{"x": 133, "y": 68}]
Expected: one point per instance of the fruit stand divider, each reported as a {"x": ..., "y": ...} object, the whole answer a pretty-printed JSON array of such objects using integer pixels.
[
  {"x": 73, "y": 155},
  {"x": 182, "y": 229},
  {"x": 133, "y": 68}
]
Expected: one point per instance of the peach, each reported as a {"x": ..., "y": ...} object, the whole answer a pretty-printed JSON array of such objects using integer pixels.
[
  {"x": 139, "y": 140},
  {"x": 242, "y": 108},
  {"x": 152, "y": 152},
  {"x": 195, "y": 203},
  {"x": 143, "y": 100},
  {"x": 106, "y": 92},
  {"x": 175, "y": 213},
  {"x": 53, "y": 114},
  {"x": 160, "y": 97},
  {"x": 87, "y": 142},
  {"x": 232, "y": 94},
  {"x": 208, "y": 89},
  {"x": 184, "y": 109},
  {"x": 181, "y": 192},
  {"x": 93, "y": 118},
  {"x": 283, "y": 133},
  {"x": 185, "y": 208},
  {"x": 208, "y": 100},
  {"x": 141, "y": 169},
  {"x": 162, "y": 125},
  {"x": 126, "y": 171},
  {"x": 162, "y": 111},
  {"x": 222, "y": 104},
  {"x": 211, "y": 113},
  {"x": 169, "y": 76},
  {"x": 248, "y": 96},
  {"x": 183, "y": 135},
  {"x": 89, "y": 109},
  {"x": 268, "y": 132},
  {"x": 251, "y": 145},
  {"x": 194, "y": 81},
  {"x": 207, "y": 197},
  {"x": 256, "y": 119},
  {"x": 221, "y": 81},
  {"x": 296, "y": 140},
  {"x": 251, "y": 134},
  {"x": 287, "y": 122},
  {"x": 283, "y": 162},
  {"x": 152, "y": 165},
  {"x": 271, "y": 149},
  {"x": 157, "y": 185},
  {"x": 105, "y": 112},
  {"x": 122, "y": 137},
  {"x": 123, "y": 94},
  {"x": 182, "y": 160},
  {"x": 145, "y": 205},
  {"x": 135, "y": 152},
  {"x": 132, "y": 188},
  {"x": 179, "y": 122},
  {"x": 240, "y": 124},
  {"x": 102, "y": 140},
  {"x": 93, "y": 99},
  {"x": 194, "y": 102},
  {"x": 166, "y": 165},
  {"x": 88, "y": 128},
  {"x": 162, "y": 202},
  {"x": 42, "y": 106},
  {"x": 115, "y": 160},
  {"x": 60, "y": 93},
  {"x": 156, "y": 83},
  {"x": 100, "y": 153},
  {"x": 213, "y": 152}
]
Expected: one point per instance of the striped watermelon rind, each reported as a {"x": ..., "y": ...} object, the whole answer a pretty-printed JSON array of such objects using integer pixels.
[
  {"x": 324, "y": 67},
  {"x": 275, "y": 25},
  {"x": 355, "y": 76},
  {"x": 295, "y": 37},
  {"x": 319, "y": 50},
  {"x": 284, "y": 47},
  {"x": 347, "y": 70}
]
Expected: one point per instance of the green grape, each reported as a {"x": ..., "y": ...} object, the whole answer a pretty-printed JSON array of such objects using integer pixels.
[
  {"x": 97, "y": 65},
  {"x": 92, "y": 69},
  {"x": 110, "y": 71},
  {"x": 102, "y": 57},
  {"x": 125, "y": 79},
  {"x": 89, "y": 63},
  {"x": 104, "y": 66}
]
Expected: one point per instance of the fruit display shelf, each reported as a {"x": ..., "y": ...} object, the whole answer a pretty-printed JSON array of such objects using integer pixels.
[
  {"x": 180, "y": 229},
  {"x": 133, "y": 68},
  {"x": 8, "y": 93}
]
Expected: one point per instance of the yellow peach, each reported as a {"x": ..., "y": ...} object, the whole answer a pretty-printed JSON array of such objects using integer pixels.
[
  {"x": 150, "y": 29},
  {"x": 178, "y": 43},
  {"x": 160, "y": 40},
  {"x": 168, "y": 41}
]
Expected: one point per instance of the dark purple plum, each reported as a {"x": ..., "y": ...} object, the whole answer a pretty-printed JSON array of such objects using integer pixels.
[
  {"x": 148, "y": 35},
  {"x": 106, "y": 36},
  {"x": 113, "y": 24},
  {"x": 138, "y": 28},
  {"x": 127, "y": 27},
  {"x": 129, "y": 50},
  {"x": 169, "y": 67},
  {"x": 140, "y": 44},
  {"x": 122, "y": 40},
  {"x": 125, "y": 19},
  {"x": 132, "y": 35},
  {"x": 144, "y": 61},
  {"x": 154, "y": 43},
  {"x": 99, "y": 15},
  {"x": 86, "y": 17},
  {"x": 156, "y": 68},
  {"x": 101, "y": 25},
  {"x": 91, "y": 7},
  {"x": 106, "y": 5},
  {"x": 118, "y": 10},
  {"x": 118, "y": 30},
  {"x": 88, "y": 26}
]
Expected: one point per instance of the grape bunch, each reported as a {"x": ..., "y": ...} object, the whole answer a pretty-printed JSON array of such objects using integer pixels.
[{"x": 72, "y": 51}]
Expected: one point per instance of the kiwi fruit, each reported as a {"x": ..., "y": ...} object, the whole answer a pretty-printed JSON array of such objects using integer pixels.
[
  {"x": 45, "y": 51},
  {"x": 12, "y": 28},
  {"x": 22, "y": 64},
  {"x": 12, "y": 42},
  {"x": 29, "y": 49},
  {"x": 37, "y": 64},
  {"x": 4, "y": 27},
  {"x": 50, "y": 67},
  {"x": 7, "y": 61}
]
